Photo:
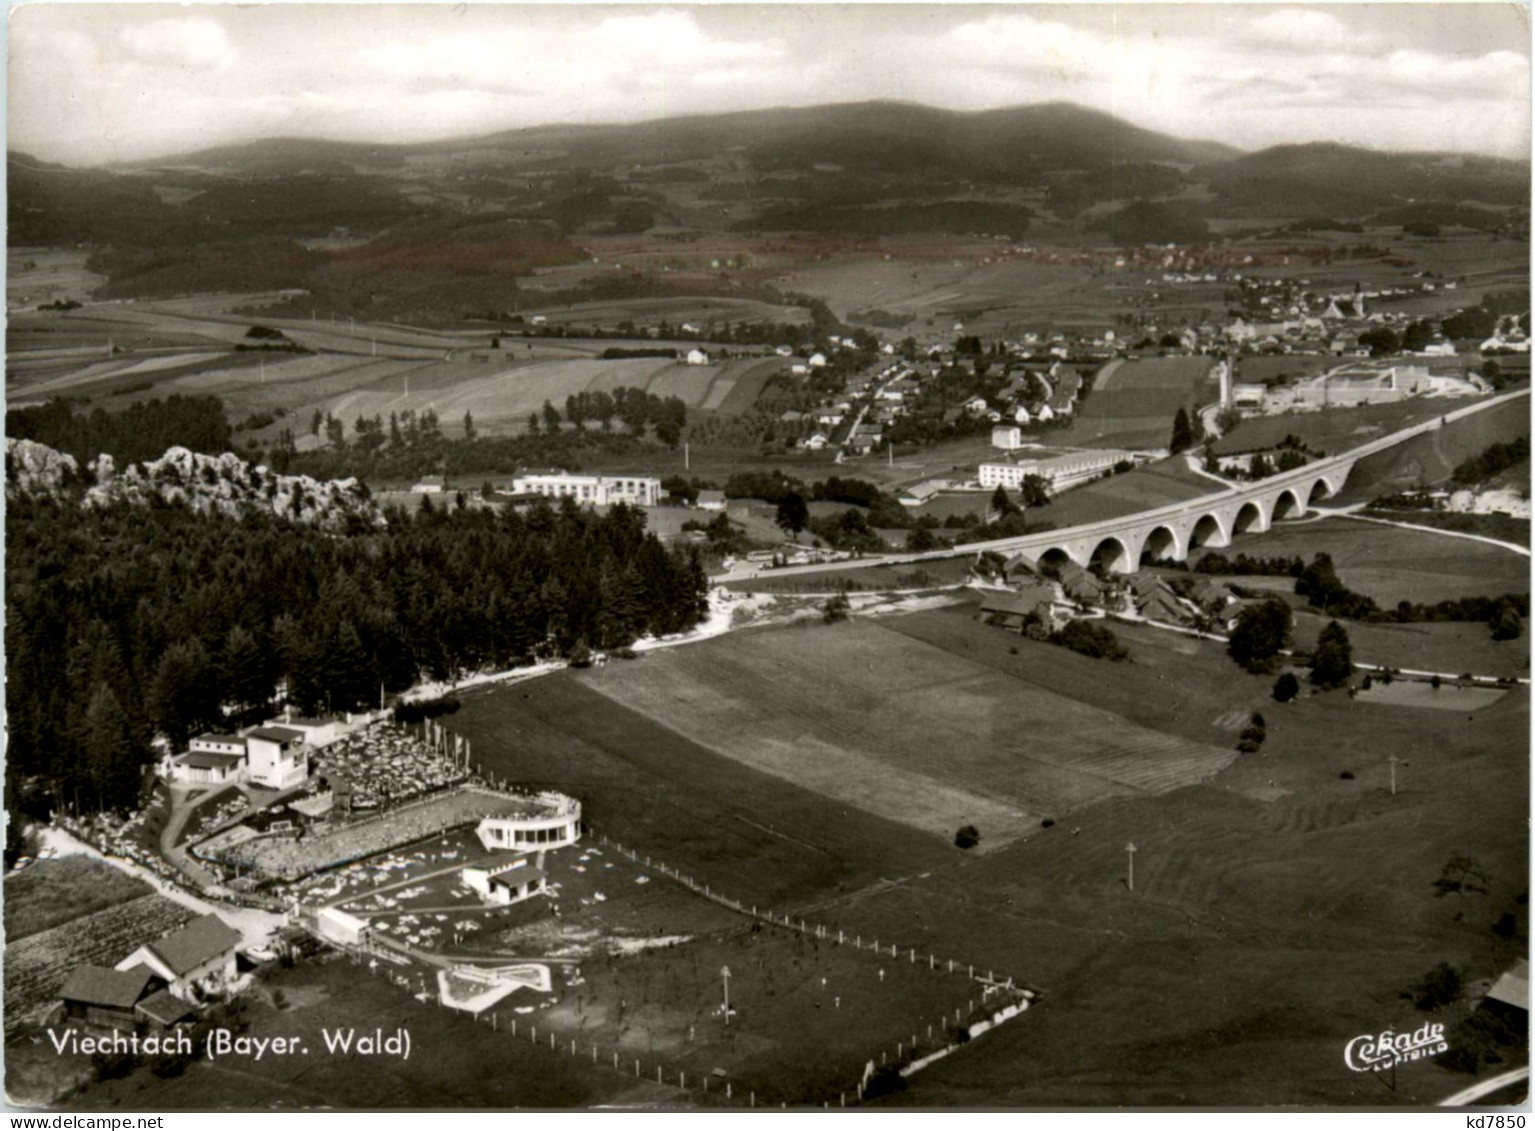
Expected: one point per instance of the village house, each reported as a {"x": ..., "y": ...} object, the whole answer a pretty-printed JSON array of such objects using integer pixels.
[
  {"x": 1081, "y": 586},
  {"x": 711, "y": 500},
  {"x": 697, "y": 357},
  {"x": 430, "y": 485},
  {"x": 192, "y": 959}
]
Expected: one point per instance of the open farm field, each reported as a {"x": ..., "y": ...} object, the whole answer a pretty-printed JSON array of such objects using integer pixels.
[
  {"x": 756, "y": 836},
  {"x": 1143, "y": 385},
  {"x": 1503, "y": 527},
  {"x": 1392, "y": 563},
  {"x": 1336, "y": 430},
  {"x": 50, "y": 892},
  {"x": 913, "y": 733},
  {"x": 1430, "y": 459},
  {"x": 502, "y": 398},
  {"x": 1152, "y": 485},
  {"x": 700, "y": 311},
  {"x": 38, "y": 275},
  {"x": 37, "y": 965}
]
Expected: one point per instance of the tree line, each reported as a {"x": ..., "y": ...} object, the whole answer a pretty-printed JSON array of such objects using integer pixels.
[
  {"x": 126, "y": 622},
  {"x": 142, "y": 431}
]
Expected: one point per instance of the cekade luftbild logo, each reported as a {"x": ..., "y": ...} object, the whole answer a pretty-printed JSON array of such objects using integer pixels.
[{"x": 1373, "y": 1052}]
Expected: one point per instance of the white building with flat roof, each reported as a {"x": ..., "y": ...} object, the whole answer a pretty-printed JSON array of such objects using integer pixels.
[
  {"x": 591, "y": 490},
  {"x": 1059, "y": 471}
]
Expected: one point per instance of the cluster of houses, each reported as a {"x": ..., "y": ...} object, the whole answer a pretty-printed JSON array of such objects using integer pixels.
[
  {"x": 159, "y": 985},
  {"x": 1050, "y": 597}
]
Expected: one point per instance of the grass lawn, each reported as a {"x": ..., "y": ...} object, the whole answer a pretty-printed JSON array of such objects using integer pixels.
[
  {"x": 1154, "y": 485},
  {"x": 1393, "y": 564},
  {"x": 1444, "y": 647},
  {"x": 50, "y": 892},
  {"x": 1429, "y": 459}
]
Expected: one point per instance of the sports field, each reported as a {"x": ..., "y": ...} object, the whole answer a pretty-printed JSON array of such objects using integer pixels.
[{"x": 908, "y": 731}]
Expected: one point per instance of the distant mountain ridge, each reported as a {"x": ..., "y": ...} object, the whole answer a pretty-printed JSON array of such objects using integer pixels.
[{"x": 1058, "y": 132}]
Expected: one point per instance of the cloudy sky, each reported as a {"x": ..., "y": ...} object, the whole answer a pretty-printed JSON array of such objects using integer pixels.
[{"x": 91, "y": 83}]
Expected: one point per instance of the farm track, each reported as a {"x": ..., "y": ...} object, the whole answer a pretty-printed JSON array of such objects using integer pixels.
[{"x": 37, "y": 966}]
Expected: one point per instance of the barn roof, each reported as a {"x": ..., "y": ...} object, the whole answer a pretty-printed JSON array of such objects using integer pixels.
[
  {"x": 164, "y": 1008},
  {"x": 96, "y": 985}
]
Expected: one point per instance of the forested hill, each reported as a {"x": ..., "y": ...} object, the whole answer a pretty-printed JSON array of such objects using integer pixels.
[{"x": 127, "y": 621}]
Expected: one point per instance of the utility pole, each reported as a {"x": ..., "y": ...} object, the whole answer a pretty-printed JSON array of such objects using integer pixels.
[
  {"x": 1130, "y": 852},
  {"x": 725, "y": 978},
  {"x": 1393, "y": 760}
]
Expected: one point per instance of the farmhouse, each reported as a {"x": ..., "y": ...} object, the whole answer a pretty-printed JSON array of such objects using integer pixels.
[
  {"x": 711, "y": 500},
  {"x": 697, "y": 357},
  {"x": 198, "y": 956},
  {"x": 591, "y": 490},
  {"x": 429, "y": 485}
]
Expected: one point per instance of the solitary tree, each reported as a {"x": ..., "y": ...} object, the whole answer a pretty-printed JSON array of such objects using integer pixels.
[
  {"x": 1286, "y": 687},
  {"x": 468, "y": 425},
  {"x": 1183, "y": 432},
  {"x": 1001, "y": 505},
  {"x": 967, "y": 837},
  {"x": 1505, "y": 622},
  {"x": 793, "y": 514},
  {"x": 1261, "y": 633},
  {"x": 1333, "y": 661}
]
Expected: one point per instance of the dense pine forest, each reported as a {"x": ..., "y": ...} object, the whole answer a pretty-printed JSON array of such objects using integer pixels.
[{"x": 127, "y": 622}]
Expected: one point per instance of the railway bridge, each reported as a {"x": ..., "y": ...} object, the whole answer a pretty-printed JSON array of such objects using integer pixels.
[{"x": 1172, "y": 531}]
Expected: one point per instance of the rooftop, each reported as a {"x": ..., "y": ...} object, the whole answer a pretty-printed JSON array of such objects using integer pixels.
[
  {"x": 194, "y": 944},
  {"x": 209, "y": 760},
  {"x": 97, "y": 985},
  {"x": 276, "y": 734}
]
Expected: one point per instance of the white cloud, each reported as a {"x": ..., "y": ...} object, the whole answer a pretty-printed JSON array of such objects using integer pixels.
[
  {"x": 195, "y": 43},
  {"x": 1306, "y": 29}
]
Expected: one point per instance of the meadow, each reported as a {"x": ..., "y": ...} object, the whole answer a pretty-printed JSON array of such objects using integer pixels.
[
  {"x": 912, "y": 733},
  {"x": 1391, "y": 563},
  {"x": 1258, "y": 891}
]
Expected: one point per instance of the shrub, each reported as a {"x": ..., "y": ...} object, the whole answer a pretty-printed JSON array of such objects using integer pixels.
[
  {"x": 1090, "y": 640},
  {"x": 1247, "y": 746},
  {"x": 1506, "y": 926},
  {"x": 1346, "y": 775},
  {"x": 1438, "y": 988},
  {"x": 1048, "y": 822},
  {"x": 967, "y": 837},
  {"x": 406, "y": 713},
  {"x": 1286, "y": 687},
  {"x": 1254, "y": 734}
]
